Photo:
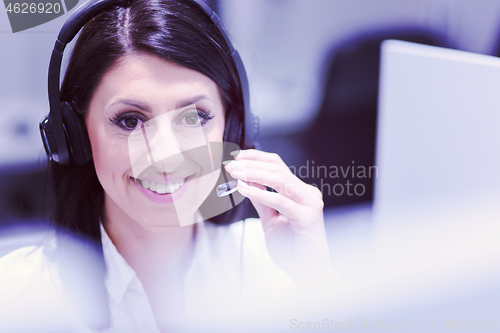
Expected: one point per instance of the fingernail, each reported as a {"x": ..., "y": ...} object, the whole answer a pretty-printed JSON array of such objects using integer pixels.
[
  {"x": 227, "y": 162},
  {"x": 234, "y": 153},
  {"x": 233, "y": 165}
]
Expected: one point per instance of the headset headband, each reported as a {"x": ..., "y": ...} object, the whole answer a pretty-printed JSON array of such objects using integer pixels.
[{"x": 52, "y": 129}]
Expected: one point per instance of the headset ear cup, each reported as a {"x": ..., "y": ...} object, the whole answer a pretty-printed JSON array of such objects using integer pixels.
[{"x": 76, "y": 131}]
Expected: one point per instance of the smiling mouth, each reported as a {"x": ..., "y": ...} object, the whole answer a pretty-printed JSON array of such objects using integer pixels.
[{"x": 160, "y": 188}]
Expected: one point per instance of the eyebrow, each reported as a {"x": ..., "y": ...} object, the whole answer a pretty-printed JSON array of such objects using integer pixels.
[
  {"x": 131, "y": 103},
  {"x": 190, "y": 101},
  {"x": 145, "y": 108}
]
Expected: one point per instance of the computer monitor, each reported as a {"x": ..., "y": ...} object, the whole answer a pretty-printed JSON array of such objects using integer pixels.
[
  {"x": 436, "y": 211},
  {"x": 438, "y": 137}
]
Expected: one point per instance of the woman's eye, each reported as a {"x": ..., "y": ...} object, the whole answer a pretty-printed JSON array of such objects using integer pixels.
[
  {"x": 127, "y": 121},
  {"x": 197, "y": 118},
  {"x": 192, "y": 119},
  {"x": 130, "y": 123}
]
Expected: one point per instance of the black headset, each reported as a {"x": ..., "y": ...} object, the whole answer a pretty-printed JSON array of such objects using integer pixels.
[{"x": 63, "y": 131}]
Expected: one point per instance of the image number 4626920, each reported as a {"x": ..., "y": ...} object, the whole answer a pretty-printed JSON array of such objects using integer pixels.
[{"x": 26, "y": 14}]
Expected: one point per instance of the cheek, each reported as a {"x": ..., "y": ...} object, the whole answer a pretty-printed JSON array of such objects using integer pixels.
[{"x": 111, "y": 159}]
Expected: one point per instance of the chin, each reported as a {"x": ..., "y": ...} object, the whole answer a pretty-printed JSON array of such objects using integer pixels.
[{"x": 165, "y": 219}]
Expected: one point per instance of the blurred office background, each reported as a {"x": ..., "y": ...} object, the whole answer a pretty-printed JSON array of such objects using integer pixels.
[{"x": 313, "y": 71}]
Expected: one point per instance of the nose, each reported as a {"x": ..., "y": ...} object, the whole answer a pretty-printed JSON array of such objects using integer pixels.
[{"x": 164, "y": 148}]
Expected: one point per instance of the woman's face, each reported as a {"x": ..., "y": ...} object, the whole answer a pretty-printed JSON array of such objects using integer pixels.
[{"x": 149, "y": 124}]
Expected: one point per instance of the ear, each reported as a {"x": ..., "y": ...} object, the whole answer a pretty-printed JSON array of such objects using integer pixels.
[{"x": 76, "y": 132}]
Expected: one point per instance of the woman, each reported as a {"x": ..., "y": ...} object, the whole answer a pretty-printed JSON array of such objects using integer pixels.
[{"x": 158, "y": 75}]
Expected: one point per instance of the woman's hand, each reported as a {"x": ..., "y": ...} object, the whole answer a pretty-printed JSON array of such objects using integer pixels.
[{"x": 292, "y": 217}]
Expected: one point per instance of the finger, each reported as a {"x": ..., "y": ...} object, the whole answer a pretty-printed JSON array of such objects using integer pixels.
[
  {"x": 257, "y": 164},
  {"x": 253, "y": 154},
  {"x": 286, "y": 184},
  {"x": 292, "y": 186},
  {"x": 263, "y": 177},
  {"x": 276, "y": 201},
  {"x": 283, "y": 177},
  {"x": 265, "y": 213}
]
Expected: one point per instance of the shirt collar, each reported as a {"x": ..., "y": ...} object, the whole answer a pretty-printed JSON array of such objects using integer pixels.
[{"x": 119, "y": 274}]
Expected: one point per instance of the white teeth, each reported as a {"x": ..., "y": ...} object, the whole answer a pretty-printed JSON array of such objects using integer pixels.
[
  {"x": 152, "y": 186},
  {"x": 161, "y": 188}
]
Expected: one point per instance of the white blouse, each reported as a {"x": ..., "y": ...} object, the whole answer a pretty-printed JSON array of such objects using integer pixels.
[{"x": 228, "y": 275}]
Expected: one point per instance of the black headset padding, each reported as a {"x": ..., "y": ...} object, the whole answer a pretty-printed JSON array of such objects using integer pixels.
[
  {"x": 76, "y": 132},
  {"x": 70, "y": 28}
]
